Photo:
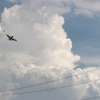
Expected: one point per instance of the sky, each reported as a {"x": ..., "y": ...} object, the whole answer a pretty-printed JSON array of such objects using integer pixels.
[{"x": 56, "y": 39}]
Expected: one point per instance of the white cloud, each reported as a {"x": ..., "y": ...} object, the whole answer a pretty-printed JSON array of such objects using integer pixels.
[
  {"x": 42, "y": 52},
  {"x": 0, "y": 28},
  {"x": 83, "y": 12},
  {"x": 93, "y": 89},
  {"x": 41, "y": 42},
  {"x": 12, "y": 0},
  {"x": 41, "y": 36},
  {"x": 88, "y": 7},
  {"x": 88, "y": 4},
  {"x": 90, "y": 60}
]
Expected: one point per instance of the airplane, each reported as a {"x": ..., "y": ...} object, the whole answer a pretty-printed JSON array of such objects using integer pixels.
[{"x": 11, "y": 38}]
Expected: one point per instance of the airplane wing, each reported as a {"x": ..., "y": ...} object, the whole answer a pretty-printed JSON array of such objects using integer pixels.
[
  {"x": 12, "y": 36},
  {"x": 8, "y": 36}
]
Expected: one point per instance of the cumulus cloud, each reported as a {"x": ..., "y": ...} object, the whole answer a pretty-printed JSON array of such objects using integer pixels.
[
  {"x": 88, "y": 8},
  {"x": 43, "y": 51},
  {"x": 41, "y": 36},
  {"x": 41, "y": 42}
]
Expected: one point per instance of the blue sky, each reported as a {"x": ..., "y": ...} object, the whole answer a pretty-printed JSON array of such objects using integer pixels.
[
  {"x": 4, "y": 3},
  {"x": 45, "y": 30},
  {"x": 84, "y": 32}
]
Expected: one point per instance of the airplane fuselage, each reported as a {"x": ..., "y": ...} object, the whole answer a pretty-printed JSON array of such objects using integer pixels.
[{"x": 10, "y": 38}]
